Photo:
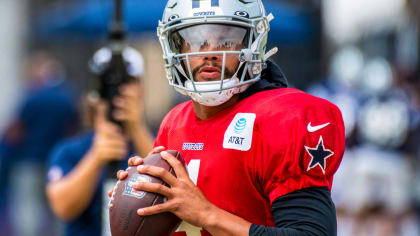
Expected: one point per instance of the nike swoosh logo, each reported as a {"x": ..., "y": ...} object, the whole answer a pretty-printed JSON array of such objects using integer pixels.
[{"x": 316, "y": 128}]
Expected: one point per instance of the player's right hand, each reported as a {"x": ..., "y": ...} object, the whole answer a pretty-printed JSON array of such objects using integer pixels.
[{"x": 109, "y": 143}]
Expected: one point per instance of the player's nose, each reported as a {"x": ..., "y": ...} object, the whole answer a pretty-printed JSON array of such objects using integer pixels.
[{"x": 213, "y": 57}]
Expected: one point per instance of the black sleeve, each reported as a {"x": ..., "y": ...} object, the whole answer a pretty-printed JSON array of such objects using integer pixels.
[{"x": 308, "y": 211}]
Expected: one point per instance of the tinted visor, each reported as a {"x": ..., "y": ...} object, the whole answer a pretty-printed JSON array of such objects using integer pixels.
[{"x": 209, "y": 37}]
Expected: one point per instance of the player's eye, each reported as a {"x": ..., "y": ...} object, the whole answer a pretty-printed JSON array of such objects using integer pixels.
[{"x": 209, "y": 37}]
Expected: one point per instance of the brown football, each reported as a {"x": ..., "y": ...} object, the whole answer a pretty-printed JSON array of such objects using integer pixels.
[{"x": 126, "y": 200}]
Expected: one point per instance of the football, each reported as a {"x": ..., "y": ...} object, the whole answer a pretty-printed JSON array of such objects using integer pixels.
[{"x": 125, "y": 201}]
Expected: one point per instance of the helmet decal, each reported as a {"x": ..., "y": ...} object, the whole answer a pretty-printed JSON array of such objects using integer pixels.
[
  {"x": 242, "y": 14},
  {"x": 173, "y": 17}
]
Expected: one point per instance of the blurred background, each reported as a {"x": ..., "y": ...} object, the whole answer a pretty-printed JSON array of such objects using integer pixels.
[{"x": 361, "y": 55}]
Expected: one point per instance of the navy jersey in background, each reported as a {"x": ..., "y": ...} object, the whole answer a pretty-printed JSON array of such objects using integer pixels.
[{"x": 62, "y": 160}]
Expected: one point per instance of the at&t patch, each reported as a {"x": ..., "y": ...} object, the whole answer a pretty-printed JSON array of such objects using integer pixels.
[{"x": 239, "y": 133}]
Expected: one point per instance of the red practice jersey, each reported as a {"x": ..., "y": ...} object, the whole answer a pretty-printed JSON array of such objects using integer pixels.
[{"x": 263, "y": 147}]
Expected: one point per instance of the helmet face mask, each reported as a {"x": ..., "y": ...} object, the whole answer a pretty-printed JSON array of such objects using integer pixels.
[
  {"x": 212, "y": 47},
  {"x": 213, "y": 52}
]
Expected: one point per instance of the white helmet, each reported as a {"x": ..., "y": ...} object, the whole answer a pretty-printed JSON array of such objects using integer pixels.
[{"x": 227, "y": 29}]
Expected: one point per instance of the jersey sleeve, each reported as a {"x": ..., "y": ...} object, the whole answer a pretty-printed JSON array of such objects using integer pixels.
[{"x": 299, "y": 149}]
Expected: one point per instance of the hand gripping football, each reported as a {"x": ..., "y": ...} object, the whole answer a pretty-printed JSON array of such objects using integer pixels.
[{"x": 126, "y": 200}]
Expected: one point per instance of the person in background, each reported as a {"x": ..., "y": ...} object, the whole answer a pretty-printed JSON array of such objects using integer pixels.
[
  {"x": 47, "y": 114},
  {"x": 77, "y": 167}
]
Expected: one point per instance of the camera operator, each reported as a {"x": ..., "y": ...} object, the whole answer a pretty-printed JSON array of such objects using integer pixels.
[{"x": 78, "y": 166}]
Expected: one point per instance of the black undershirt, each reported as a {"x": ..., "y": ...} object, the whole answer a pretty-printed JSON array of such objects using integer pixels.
[{"x": 304, "y": 212}]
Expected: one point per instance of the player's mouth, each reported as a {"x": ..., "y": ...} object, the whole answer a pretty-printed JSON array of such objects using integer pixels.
[{"x": 209, "y": 73}]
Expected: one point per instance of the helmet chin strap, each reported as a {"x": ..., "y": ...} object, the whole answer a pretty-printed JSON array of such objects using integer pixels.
[{"x": 270, "y": 53}]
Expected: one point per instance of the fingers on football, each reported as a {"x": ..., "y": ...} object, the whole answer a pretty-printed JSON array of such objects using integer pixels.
[
  {"x": 159, "y": 208},
  {"x": 153, "y": 188},
  {"x": 135, "y": 161},
  {"x": 122, "y": 174},
  {"x": 179, "y": 168},
  {"x": 110, "y": 192},
  {"x": 156, "y": 150},
  {"x": 158, "y": 172}
]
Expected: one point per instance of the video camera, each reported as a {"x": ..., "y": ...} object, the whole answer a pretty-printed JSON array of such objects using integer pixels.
[
  {"x": 115, "y": 64},
  {"x": 114, "y": 68}
]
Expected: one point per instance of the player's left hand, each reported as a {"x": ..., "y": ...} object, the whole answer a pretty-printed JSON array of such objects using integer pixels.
[
  {"x": 185, "y": 199},
  {"x": 134, "y": 161}
]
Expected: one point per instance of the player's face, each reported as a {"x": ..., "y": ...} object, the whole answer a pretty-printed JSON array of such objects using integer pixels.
[{"x": 210, "y": 38}]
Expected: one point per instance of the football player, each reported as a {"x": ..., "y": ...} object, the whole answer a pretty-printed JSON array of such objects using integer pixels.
[{"x": 261, "y": 156}]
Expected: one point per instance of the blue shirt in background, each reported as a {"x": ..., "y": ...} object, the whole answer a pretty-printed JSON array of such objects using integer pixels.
[
  {"x": 48, "y": 115},
  {"x": 63, "y": 159}
]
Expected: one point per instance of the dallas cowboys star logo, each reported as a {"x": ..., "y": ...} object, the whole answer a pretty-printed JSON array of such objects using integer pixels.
[{"x": 318, "y": 155}]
